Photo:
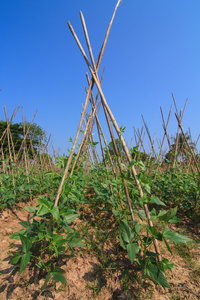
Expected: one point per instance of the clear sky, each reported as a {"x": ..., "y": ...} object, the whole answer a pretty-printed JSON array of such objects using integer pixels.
[{"x": 152, "y": 51}]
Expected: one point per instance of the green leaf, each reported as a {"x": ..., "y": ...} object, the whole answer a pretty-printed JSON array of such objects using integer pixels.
[
  {"x": 166, "y": 264},
  {"x": 157, "y": 276},
  {"x": 70, "y": 218},
  {"x": 157, "y": 201},
  {"x": 127, "y": 232},
  {"x": 169, "y": 215},
  {"x": 58, "y": 270},
  {"x": 175, "y": 219},
  {"x": 147, "y": 188},
  {"x": 142, "y": 166},
  {"x": 26, "y": 243},
  {"x": 59, "y": 277},
  {"x": 137, "y": 228},
  {"x": 58, "y": 239},
  {"x": 43, "y": 200},
  {"x": 46, "y": 281},
  {"x": 95, "y": 143},
  {"x": 76, "y": 242},
  {"x": 25, "y": 224},
  {"x": 55, "y": 212},
  {"x": 174, "y": 236},
  {"x": 16, "y": 257},
  {"x": 42, "y": 210},
  {"x": 16, "y": 235},
  {"x": 132, "y": 250},
  {"x": 31, "y": 209},
  {"x": 25, "y": 259},
  {"x": 66, "y": 226}
]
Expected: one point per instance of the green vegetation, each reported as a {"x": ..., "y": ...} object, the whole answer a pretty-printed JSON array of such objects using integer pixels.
[{"x": 50, "y": 233}]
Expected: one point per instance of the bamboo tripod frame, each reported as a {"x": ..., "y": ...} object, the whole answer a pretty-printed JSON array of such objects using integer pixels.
[{"x": 109, "y": 117}]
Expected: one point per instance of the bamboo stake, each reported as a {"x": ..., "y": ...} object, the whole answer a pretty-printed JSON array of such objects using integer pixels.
[
  {"x": 165, "y": 129},
  {"x": 24, "y": 150},
  {"x": 25, "y": 136},
  {"x": 105, "y": 142},
  {"x": 91, "y": 117},
  {"x": 148, "y": 133},
  {"x": 100, "y": 131},
  {"x": 110, "y": 158},
  {"x": 10, "y": 154},
  {"x": 90, "y": 139},
  {"x": 141, "y": 140},
  {"x": 3, "y": 162},
  {"x": 8, "y": 135},
  {"x": 119, "y": 164},
  {"x": 89, "y": 152},
  {"x": 181, "y": 118},
  {"x": 152, "y": 146}
]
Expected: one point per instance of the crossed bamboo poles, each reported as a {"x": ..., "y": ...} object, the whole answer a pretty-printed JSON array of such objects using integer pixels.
[{"x": 109, "y": 117}]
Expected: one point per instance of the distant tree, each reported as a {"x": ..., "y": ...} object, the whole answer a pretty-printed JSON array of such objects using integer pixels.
[{"x": 36, "y": 136}]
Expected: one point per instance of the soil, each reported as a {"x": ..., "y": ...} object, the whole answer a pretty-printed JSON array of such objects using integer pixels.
[{"x": 86, "y": 279}]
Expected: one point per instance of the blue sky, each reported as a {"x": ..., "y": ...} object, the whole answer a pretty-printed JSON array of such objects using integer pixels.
[{"x": 152, "y": 51}]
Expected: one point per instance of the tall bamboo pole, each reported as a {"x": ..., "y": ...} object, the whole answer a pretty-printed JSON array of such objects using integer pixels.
[
  {"x": 86, "y": 104},
  {"x": 165, "y": 126}
]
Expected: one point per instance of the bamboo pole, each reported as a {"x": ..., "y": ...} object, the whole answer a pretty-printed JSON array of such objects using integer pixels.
[
  {"x": 92, "y": 147},
  {"x": 181, "y": 118},
  {"x": 86, "y": 104},
  {"x": 165, "y": 126},
  {"x": 148, "y": 133},
  {"x": 24, "y": 150},
  {"x": 91, "y": 117},
  {"x": 9, "y": 149},
  {"x": 25, "y": 136},
  {"x": 101, "y": 133}
]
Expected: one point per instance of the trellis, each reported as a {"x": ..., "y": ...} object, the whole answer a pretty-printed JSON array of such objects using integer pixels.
[{"x": 111, "y": 121}]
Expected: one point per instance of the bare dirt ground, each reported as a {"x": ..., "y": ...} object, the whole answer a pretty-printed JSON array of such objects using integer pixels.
[{"x": 87, "y": 279}]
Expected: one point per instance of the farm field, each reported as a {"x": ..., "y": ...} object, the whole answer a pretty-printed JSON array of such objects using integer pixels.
[
  {"x": 109, "y": 219},
  {"x": 95, "y": 222}
]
